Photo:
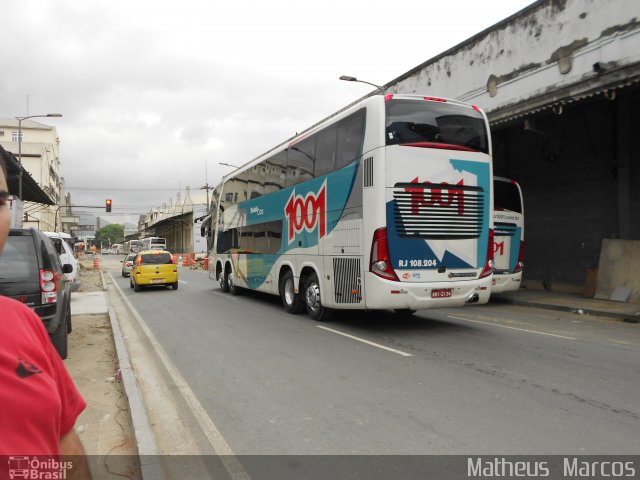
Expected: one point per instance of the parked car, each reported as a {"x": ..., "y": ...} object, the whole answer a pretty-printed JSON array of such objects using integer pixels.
[
  {"x": 127, "y": 264},
  {"x": 154, "y": 267},
  {"x": 60, "y": 240},
  {"x": 31, "y": 272}
]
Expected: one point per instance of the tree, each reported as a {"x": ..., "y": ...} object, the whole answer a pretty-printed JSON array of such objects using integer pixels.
[{"x": 110, "y": 234}]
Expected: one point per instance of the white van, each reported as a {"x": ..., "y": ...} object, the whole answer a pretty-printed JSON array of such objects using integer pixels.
[
  {"x": 508, "y": 240},
  {"x": 62, "y": 241}
]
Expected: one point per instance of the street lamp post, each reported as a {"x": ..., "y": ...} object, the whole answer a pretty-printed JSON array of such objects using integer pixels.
[
  {"x": 20, "y": 119},
  {"x": 347, "y": 78},
  {"x": 228, "y": 165}
]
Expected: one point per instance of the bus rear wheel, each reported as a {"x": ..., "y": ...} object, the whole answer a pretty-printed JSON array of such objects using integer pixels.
[
  {"x": 290, "y": 299},
  {"x": 231, "y": 284},
  {"x": 223, "y": 280},
  {"x": 313, "y": 301}
]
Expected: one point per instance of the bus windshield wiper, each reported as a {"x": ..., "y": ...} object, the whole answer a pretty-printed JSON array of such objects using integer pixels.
[{"x": 446, "y": 146}]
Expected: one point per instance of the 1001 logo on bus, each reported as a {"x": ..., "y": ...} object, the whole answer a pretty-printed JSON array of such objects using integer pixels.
[
  {"x": 429, "y": 195},
  {"x": 307, "y": 213}
]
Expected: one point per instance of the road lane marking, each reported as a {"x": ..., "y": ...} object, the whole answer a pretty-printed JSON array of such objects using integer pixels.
[
  {"x": 221, "y": 447},
  {"x": 182, "y": 281},
  {"x": 512, "y": 328},
  {"x": 399, "y": 352}
]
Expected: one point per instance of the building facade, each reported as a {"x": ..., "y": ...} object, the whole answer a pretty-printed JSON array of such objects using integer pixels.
[
  {"x": 40, "y": 154},
  {"x": 560, "y": 82}
]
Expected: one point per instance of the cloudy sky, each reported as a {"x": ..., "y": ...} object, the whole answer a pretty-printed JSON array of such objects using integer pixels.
[{"x": 156, "y": 93}]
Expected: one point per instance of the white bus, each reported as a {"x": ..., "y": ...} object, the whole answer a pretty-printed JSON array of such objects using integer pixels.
[
  {"x": 117, "y": 249},
  {"x": 153, "y": 243},
  {"x": 131, "y": 246},
  {"x": 508, "y": 246},
  {"x": 384, "y": 205}
]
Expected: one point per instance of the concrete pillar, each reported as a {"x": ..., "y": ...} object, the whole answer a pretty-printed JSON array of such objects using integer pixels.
[{"x": 628, "y": 165}]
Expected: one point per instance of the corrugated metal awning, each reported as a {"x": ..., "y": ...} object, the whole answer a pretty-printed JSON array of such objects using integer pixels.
[
  {"x": 31, "y": 191},
  {"x": 607, "y": 86}
]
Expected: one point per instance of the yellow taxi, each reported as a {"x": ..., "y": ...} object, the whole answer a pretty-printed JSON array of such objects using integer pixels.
[{"x": 154, "y": 267}]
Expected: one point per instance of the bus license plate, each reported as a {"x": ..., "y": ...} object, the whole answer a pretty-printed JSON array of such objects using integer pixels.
[{"x": 441, "y": 293}]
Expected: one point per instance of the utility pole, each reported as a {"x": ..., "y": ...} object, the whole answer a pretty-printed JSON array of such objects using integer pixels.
[
  {"x": 206, "y": 185},
  {"x": 207, "y": 188}
]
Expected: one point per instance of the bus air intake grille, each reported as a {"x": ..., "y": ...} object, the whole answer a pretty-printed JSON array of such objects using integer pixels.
[
  {"x": 504, "y": 229},
  {"x": 367, "y": 172},
  {"x": 346, "y": 277},
  {"x": 438, "y": 211}
]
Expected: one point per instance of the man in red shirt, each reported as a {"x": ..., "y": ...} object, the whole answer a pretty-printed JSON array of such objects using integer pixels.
[{"x": 39, "y": 403}]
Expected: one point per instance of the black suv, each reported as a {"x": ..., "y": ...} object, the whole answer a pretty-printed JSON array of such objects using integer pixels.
[{"x": 30, "y": 272}]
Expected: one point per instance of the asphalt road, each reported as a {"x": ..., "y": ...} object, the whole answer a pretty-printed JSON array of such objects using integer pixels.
[{"x": 493, "y": 379}]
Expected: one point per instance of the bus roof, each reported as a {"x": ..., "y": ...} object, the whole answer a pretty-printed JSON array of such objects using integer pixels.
[{"x": 343, "y": 112}]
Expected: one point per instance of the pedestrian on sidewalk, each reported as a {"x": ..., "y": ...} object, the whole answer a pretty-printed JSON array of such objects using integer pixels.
[{"x": 39, "y": 403}]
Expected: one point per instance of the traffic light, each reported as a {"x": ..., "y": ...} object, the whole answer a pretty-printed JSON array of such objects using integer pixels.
[{"x": 108, "y": 205}]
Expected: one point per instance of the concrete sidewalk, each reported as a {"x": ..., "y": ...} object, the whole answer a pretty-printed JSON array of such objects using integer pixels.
[
  {"x": 568, "y": 302},
  {"x": 89, "y": 303}
]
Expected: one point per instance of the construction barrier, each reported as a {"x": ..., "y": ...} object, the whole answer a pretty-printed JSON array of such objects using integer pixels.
[{"x": 187, "y": 261}]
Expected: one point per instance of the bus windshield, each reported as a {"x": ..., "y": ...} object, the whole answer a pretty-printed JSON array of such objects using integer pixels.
[
  {"x": 435, "y": 124},
  {"x": 506, "y": 196}
]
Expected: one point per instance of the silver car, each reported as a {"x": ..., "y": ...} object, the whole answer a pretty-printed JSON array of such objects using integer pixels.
[{"x": 127, "y": 265}]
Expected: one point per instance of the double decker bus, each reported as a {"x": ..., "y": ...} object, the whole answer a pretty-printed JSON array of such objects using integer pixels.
[
  {"x": 508, "y": 246},
  {"x": 384, "y": 205}
]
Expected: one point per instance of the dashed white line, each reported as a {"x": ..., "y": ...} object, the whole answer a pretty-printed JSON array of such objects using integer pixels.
[
  {"x": 512, "y": 328},
  {"x": 389, "y": 349}
]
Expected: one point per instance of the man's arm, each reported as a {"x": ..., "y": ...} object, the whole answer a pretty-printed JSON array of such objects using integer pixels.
[{"x": 71, "y": 450}]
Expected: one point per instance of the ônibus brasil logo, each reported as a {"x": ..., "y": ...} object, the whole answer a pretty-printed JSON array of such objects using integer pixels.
[
  {"x": 305, "y": 213},
  {"x": 429, "y": 195}
]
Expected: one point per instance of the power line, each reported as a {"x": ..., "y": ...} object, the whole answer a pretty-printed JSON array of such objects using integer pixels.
[{"x": 124, "y": 189}]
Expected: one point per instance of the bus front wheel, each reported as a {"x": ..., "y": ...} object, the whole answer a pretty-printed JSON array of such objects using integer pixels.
[
  {"x": 290, "y": 299},
  {"x": 313, "y": 301}
]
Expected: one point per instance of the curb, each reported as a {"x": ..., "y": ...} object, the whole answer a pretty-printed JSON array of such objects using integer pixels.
[
  {"x": 623, "y": 317},
  {"x": 148, "y": 450}
]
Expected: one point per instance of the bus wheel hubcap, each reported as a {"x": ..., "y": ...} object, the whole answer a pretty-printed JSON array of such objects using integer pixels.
[
  {"x": 313, "y": 296},
  {"x": 288, "y": 292}
]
